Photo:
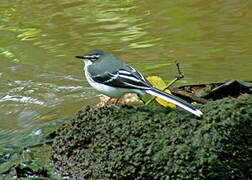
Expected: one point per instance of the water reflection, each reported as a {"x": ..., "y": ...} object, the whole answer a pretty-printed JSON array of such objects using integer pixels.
[
  {"x": 29, "y": 34},
  {"x": 101, "y": 23},
  {"x": 8, "y": 54}
]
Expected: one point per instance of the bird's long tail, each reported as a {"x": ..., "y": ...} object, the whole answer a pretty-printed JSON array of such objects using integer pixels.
[{"x": 175, "y": 100}]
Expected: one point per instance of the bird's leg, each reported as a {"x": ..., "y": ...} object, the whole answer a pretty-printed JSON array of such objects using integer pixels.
[
  {"x": 117, "y": 101},
  {"x": 112, "y": 103}
]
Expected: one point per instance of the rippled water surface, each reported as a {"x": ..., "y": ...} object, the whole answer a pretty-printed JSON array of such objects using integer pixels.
[{"x": 40, "y": 80}]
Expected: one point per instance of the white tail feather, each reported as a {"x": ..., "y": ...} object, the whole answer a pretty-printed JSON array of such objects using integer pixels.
[{"x": 175, "y": 100}]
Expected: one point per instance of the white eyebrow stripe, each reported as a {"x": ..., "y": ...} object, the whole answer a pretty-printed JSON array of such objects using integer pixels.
[{"x": 92, "y": 56}]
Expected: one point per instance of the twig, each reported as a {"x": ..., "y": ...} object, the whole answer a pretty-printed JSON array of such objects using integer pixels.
[{"x": 180, "y": 76}]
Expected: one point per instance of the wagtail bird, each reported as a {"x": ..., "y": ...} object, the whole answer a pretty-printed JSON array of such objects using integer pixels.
[{"x": 112, "y": 77}]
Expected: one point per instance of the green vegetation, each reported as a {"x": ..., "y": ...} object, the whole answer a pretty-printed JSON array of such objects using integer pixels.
[{"x": 157, "y": 143}]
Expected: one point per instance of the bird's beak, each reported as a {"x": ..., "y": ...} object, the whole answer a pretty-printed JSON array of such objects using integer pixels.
[{"x": 80, "y": 57}]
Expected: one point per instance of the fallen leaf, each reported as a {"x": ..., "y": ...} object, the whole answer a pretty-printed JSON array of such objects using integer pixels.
[{"x": 159, "y": 83}]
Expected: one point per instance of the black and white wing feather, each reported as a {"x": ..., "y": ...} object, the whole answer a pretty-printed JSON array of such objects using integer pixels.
[{"x": 125, "y": 77}]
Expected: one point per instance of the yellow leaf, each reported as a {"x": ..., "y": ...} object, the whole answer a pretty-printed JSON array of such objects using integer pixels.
[{"x": 159, "y": 83}]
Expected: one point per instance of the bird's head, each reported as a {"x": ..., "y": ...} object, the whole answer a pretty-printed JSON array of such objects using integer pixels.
[{"x": 92, "y": 55}]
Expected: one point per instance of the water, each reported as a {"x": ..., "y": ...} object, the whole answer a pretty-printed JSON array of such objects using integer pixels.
[{"x": 40, "y": 80}]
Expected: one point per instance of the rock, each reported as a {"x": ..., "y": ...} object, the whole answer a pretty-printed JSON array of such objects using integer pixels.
[{"x": 149, "y": 142}]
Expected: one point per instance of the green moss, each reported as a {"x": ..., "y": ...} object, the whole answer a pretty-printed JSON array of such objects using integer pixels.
[{"x": 156, "y": 143}]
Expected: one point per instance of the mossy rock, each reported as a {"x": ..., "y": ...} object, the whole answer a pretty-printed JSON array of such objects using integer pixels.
[{"x": 156, "y": 143}]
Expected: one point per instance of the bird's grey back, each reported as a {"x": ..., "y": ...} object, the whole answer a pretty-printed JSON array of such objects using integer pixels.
[{"x": 107, "y": 61}]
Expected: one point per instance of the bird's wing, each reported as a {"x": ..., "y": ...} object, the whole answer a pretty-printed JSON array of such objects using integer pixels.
[{"x": 125, "y": 77}]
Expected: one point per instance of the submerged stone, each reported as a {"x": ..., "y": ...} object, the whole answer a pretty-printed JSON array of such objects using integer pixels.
[{"x": 149, "y": 142}]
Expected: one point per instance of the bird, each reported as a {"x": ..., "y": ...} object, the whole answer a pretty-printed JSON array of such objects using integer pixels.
[{"x": 111, "y": 76}]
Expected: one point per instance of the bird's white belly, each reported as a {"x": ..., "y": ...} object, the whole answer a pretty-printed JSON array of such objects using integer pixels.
[{"x": 108, "y": 90}]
